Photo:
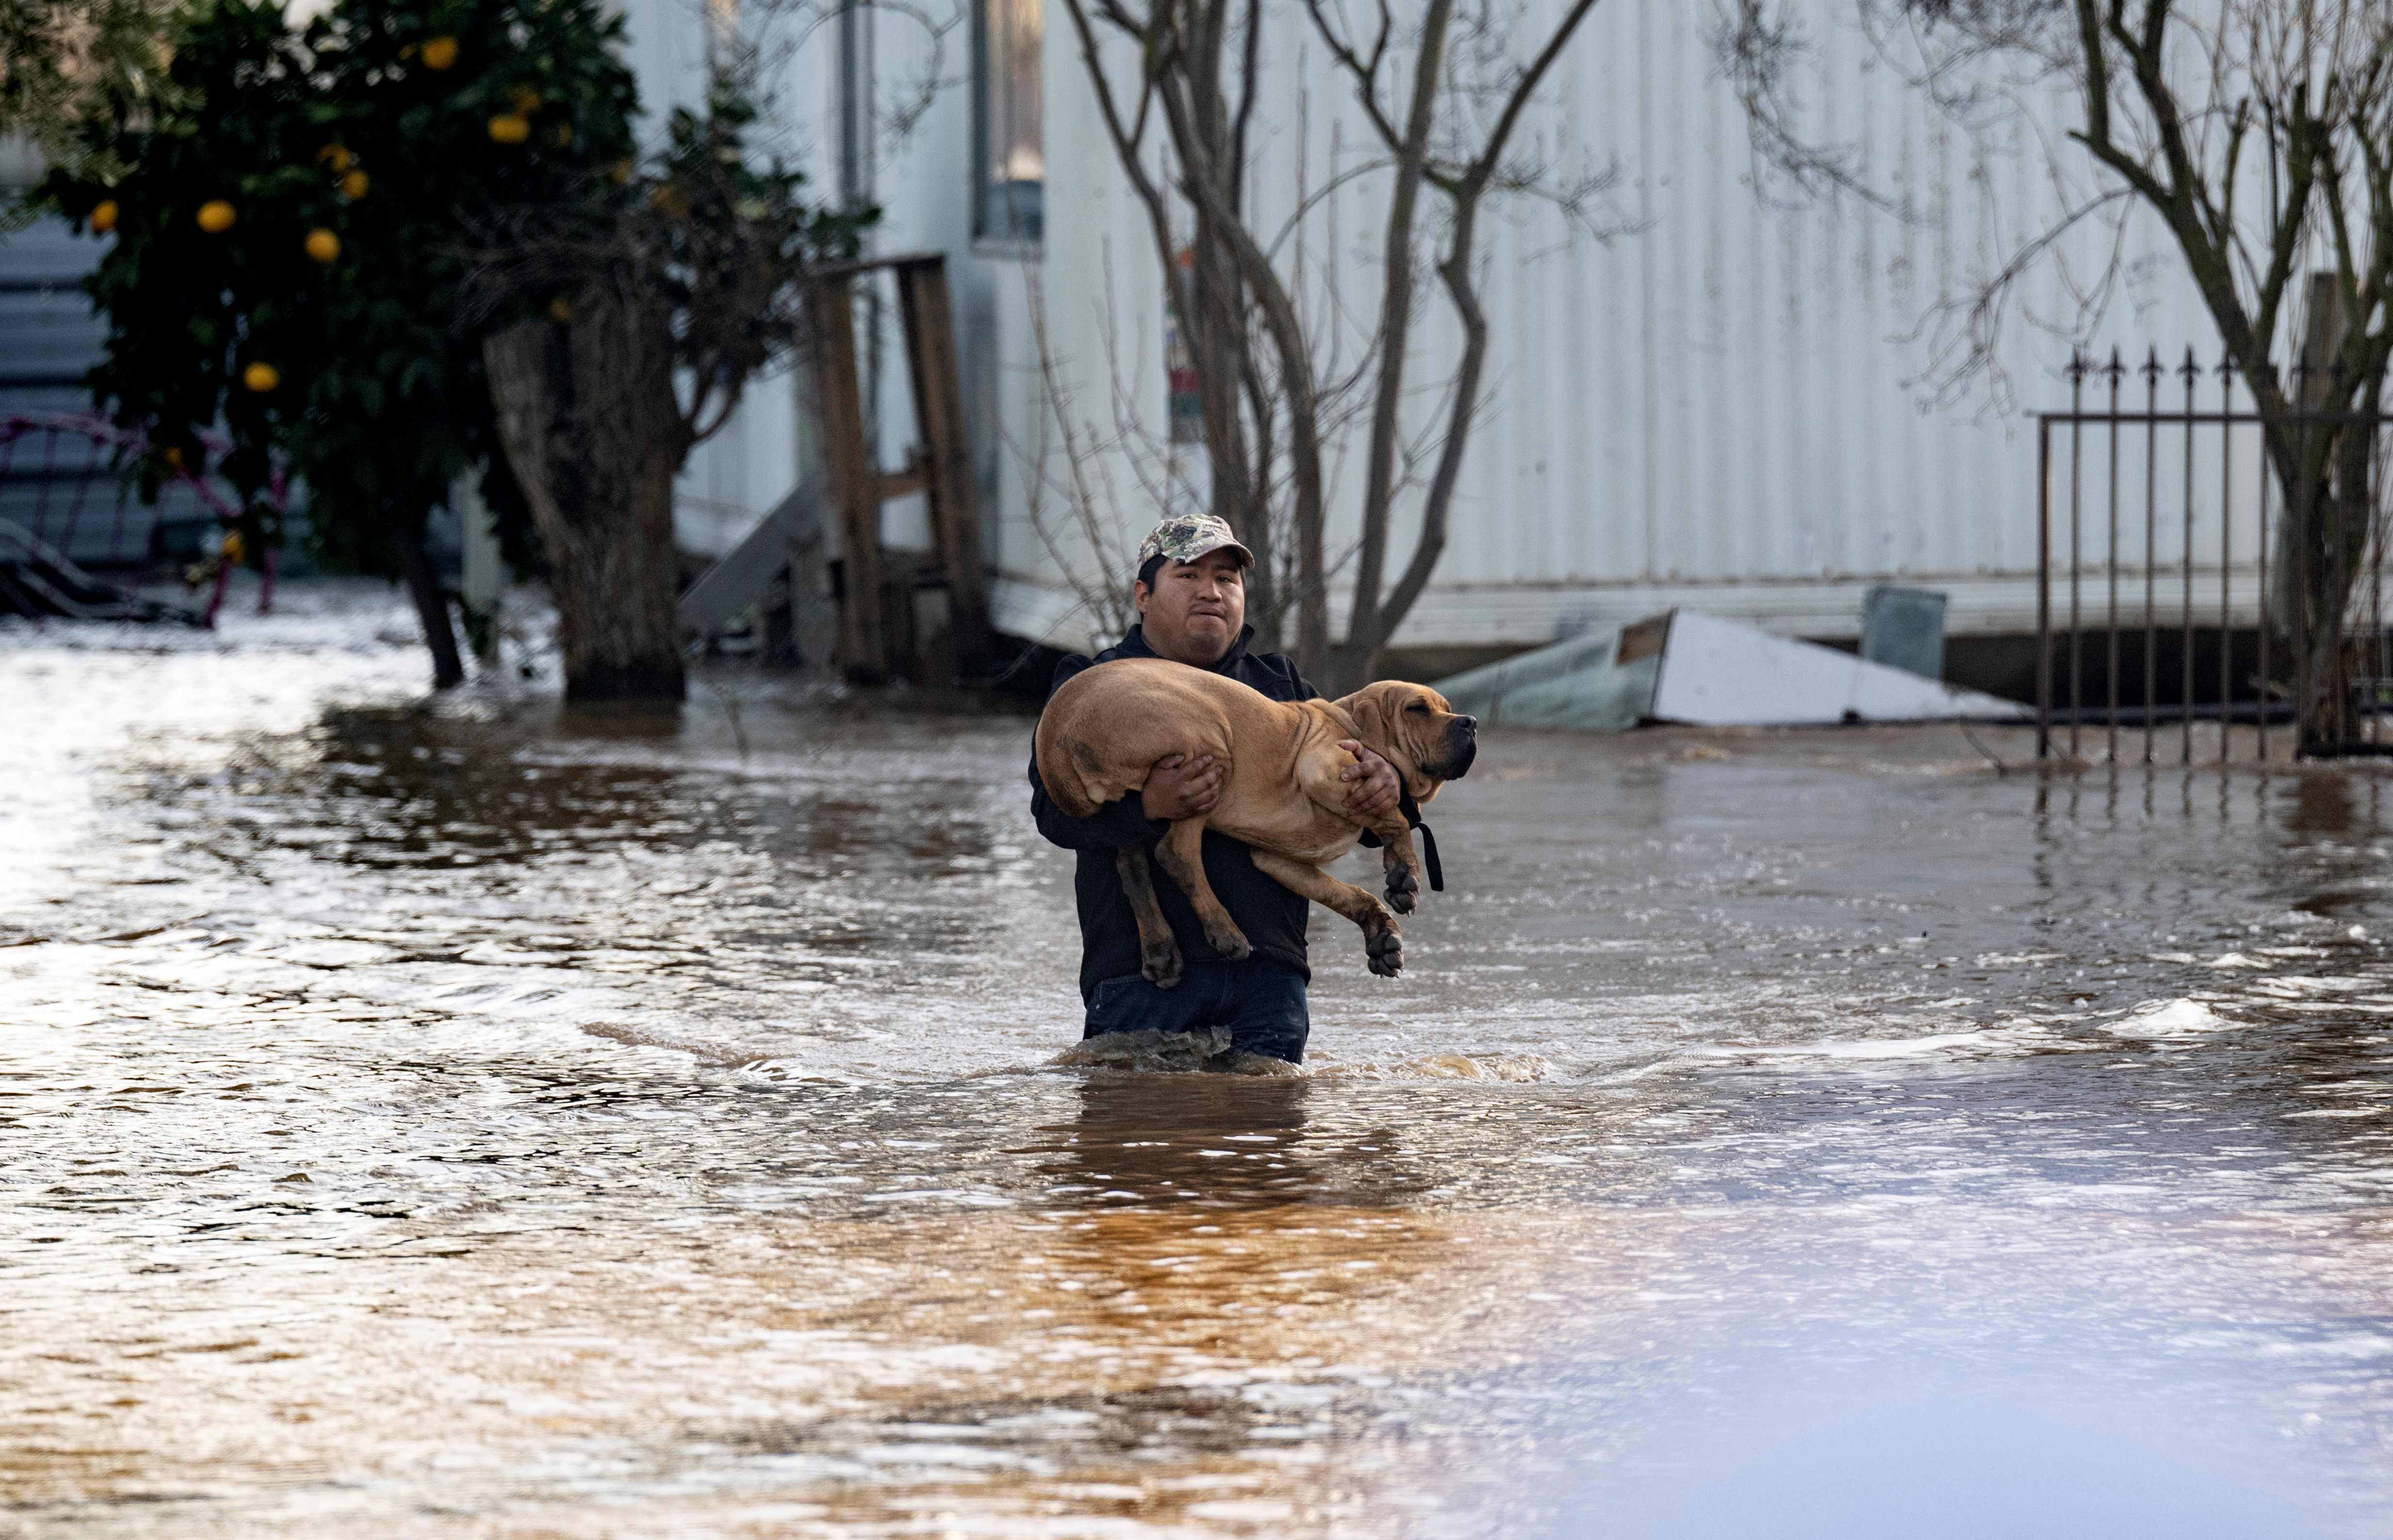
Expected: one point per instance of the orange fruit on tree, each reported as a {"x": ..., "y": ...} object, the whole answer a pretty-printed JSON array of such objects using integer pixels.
[
  {"x": 103, "y": 216},
  {"x": 563, "y": 135},
  {"x": 560, "y": 308},
  {"x": 440, "y": 52},
  {"x": 527, "y": 101},
  {"x": 337, "y": 156},
  {"x": 174, "y": 456},
  {"x": 620, "y": 171},
  {"x": 510, "y": 128},
  {"x": 323, "y": 246},
  {"x": 353, "y": 185},
  {"x": 261, "y": 377},
  {"x": 216, "y": 217}
]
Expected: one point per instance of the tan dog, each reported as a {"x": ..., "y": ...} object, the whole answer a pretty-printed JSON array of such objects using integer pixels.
[{"x": 1280, "y": 793}]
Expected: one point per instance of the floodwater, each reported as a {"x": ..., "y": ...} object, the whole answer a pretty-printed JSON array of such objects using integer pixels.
[{"x": 477, "y": 1120}]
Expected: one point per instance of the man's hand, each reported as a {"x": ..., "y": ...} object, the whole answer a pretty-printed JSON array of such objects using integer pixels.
[
  {"x": 1181, "y": 787},
  {"x": 1374, "y": 793}
]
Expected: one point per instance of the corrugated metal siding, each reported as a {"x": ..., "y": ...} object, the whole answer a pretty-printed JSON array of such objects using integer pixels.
[
  {"x": 64, "y": 487},
  {"x": 1725, "y": 407}
]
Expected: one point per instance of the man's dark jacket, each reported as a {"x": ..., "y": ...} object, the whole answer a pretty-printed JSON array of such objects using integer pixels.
[{"x": 1272, "y": 917}]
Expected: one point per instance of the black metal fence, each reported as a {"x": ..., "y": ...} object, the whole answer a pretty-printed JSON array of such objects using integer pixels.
[{"x": 2159, "y": 621}]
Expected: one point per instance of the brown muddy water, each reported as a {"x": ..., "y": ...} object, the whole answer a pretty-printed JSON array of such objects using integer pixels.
[{"x": 479, "y": 1119}]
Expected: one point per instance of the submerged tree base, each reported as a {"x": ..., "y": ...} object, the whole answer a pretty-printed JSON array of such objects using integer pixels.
[
  {"x": 432, "y": 610},
  {"x": 586, "y": 411},
  {"x": 626, "y": 682}
]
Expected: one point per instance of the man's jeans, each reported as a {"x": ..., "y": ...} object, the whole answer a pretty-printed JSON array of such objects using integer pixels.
[{"x": 1261, "y": 1003}]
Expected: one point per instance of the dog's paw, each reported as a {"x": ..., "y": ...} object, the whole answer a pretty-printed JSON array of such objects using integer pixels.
[
  {"x": 1385, "y": 948},
  {"x": 1161, "y": 965},
  {"x": 1404, "y": 888},
  {"x": 1232, "y": 945}
]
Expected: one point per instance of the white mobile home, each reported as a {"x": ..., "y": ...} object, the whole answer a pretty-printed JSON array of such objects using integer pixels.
[{"x": 1729, "y": 401}]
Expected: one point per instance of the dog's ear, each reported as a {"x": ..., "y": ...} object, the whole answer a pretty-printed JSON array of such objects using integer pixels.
[
  {"x": 1409, "y": 746},
  {"x": 1371, "y": 723}
]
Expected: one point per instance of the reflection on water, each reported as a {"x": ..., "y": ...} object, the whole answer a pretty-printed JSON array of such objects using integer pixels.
[
  {"x": 1161, "y": 1140},
  {"x": 486, "y": 1119}
]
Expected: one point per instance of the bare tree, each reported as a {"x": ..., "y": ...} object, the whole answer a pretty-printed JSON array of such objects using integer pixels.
[
  {"x": 1178, "y": 85},
  {"x": 1069, "y": 494},
  {"x": 2259, "y": 135},
  {"x": 1073, "y": 465},
  {"x": 758, "y": 42}
]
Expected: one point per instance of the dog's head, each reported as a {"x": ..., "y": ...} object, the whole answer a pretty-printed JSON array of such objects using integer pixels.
[{"x": 1413, "y": 728}]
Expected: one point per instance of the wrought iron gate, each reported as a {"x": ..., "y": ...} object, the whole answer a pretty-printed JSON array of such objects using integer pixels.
[{"x": 2156, "y": 606}]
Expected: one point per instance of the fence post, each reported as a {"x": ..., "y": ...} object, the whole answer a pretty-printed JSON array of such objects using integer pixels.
[
  {"x": 863, "y": 623},
  {"x": 2185, "y": 645},
  {"x": 2043, "y": 588},
  {"x": 2226, "y": 557},
  {"x": 2261, "y": 640},
  {"x": 2152, "y": 372},
  {"x": 2110, "y": 566},
  {"x": 929, "y": 315},
  {"x": 2077, "y": 371}
]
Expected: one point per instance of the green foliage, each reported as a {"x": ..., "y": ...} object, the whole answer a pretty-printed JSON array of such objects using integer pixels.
[
  {"x": 377, "y": 398},
  {"x": 64, "y": 63},
  {"x": 474, "y": 160},
  {"x": 713, "y": 239},
  {"x": 720, "y": 223}
]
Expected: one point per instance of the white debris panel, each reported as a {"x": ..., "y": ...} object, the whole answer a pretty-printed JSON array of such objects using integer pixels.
[{"x": 1684, "y": 666}]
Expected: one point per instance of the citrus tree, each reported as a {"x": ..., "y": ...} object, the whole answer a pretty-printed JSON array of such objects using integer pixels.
[
  {"x": 622, "y": 331},
  {"x": 292, "y": 224}
]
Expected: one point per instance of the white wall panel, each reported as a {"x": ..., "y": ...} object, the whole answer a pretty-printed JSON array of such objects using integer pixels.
[
  {"x": 1732, "y": 397},
  {"x": 1727, "y": 406},
  {"x": 921, "y": 181}
]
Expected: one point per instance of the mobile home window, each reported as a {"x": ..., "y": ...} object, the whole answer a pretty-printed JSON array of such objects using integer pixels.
[{"x": 1012, "y": 159}]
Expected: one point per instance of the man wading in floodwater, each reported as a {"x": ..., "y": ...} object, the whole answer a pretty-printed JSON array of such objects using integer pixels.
[{"x": 1192, "y": 601}]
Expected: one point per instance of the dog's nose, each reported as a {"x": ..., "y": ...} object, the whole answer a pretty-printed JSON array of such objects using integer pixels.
[{"x": 1469, "y": 726}]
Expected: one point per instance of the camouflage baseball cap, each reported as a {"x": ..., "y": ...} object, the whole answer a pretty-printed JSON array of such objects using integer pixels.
[{"x": 1189, "y": 536}]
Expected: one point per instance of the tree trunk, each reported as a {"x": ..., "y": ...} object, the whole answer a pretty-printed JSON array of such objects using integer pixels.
[
  {"x": 2324, "y": 544},
  {"x": 2324, "y": 471},
  {"x": 432, "y": 610},
  {"x": 595, "y": 434}
]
